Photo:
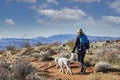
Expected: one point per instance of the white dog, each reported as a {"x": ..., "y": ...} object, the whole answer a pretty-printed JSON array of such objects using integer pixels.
[{"x": 64, "y": 61}]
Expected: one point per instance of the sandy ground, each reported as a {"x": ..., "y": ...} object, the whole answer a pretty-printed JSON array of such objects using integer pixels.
[{"x": 52, "y": 70}]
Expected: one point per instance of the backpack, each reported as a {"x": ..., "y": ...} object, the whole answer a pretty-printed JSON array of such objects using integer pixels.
[{"x": 85, "y": 42}]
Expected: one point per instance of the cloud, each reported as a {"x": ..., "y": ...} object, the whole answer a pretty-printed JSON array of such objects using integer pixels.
[
  {"x": 28, "y": 1},
  {"x": 106, "y": 26},
  {"x": 86, "y": 1},
  {"x": 115, "y": 20},
  {"x": 40, "y": 21},
  {"x": 115, "y": 5},
  {"x": 44, "y": 5},
  {"x": 65, "y": 14},
  {"x": 52, "y": 1},
  {"x": 9, "y": 22}
]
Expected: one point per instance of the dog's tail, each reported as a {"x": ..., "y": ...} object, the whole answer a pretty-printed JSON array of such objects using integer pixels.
[{"x": 71, "y": 57}]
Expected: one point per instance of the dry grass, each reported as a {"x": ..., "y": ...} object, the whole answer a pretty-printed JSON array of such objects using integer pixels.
[
  {"x": 36, "y": 77},
  {"x": 13, "y": 50},
  {"x": 88, "y": 61},
  {"x": 5, "y": 74},
  {"x": 70, "y": 44},
  {"x": 22, "y": 69},
  {"x": 109, "y": 52},
  {"x": 101, "y": 76},
  {"x": 4, "y": 64},
  {"x": 28, "y": 51}
]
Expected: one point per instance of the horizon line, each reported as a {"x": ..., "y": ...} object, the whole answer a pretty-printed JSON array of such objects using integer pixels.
[{"x": 58, "y": 35}]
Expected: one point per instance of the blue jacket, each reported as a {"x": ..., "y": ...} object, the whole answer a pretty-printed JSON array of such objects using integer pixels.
[{"x": 78, "y": 44}]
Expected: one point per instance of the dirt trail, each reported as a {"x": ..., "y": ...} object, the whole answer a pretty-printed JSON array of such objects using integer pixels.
[
  {"x": 76, "y": 76},
  {"x": 49, "y": 68},
  {"x": 53, "y": 71}
]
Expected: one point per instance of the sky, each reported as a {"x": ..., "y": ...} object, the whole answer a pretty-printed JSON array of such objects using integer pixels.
[{"x": 43, "y": 18}]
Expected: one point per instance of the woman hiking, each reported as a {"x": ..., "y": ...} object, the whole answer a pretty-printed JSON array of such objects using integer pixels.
[{"x": 81, "y": 49}]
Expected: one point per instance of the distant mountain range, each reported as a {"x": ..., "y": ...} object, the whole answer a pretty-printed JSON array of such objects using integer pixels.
[{"x": 61, "y": 38}]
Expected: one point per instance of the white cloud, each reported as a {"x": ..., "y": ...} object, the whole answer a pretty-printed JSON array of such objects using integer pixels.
[
  {"x": 39, "y": 6},
  {"x": 44, "y": 5},
  {"x": 29, "y": 1},
  {"x": 52, "y": 1},
  {"x": 40, "y": 21},
  {"x": 111, "y": 20},
  {"x": 100, "y": 27},
  {"x": 87, "y": 1},
  {"x": 9, "y": 22},
  {"x": 65, "y": 14},
  {"x": 115, "y": 5}
]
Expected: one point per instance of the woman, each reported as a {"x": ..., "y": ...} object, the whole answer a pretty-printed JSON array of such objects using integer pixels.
[{"x": 81, "y": 50}]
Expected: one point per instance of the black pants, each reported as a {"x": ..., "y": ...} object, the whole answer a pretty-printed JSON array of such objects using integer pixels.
[{"x": 81, "y": 55}]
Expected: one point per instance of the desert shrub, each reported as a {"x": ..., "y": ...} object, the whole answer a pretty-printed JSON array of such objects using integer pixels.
[
  {"x": 51, "y": 52},
  {"x": 38, "y": 44},
  {"x": 88, "y": 61},
  {"x": 31, "y": 77},
  {"x": 56, "y": 44},
  {"x": 44, "y": 56},
  {"x": 2, "y": 52},
  {"x": 22, "y": 69},
  {"x": 13, "y": 50},
  {"x": 113, "y": 58},
  {"x": 36, "y": 77},
  {"x": 45, "y": 48},
  {"x": 5, "y": 74},
  {"x": 102, "y": 66},
  {"x": 4, "y": 64},
  {"x": 109, "y": 55},
  {"x": 28, "y": 51},
  {"x": 101, "y": 76},
  {"x": 10, "y": 48},
  {"x": 70, "y": 44},
  {"x": 36, "y": 55},
  {"x": 47, "y": 58},
  {"x": 108, "y": 41}
]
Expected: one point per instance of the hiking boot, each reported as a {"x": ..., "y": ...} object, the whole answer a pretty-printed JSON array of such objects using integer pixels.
[
  {"x": 84, "y": 69},
  {"x": 81, "y": 72}
]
